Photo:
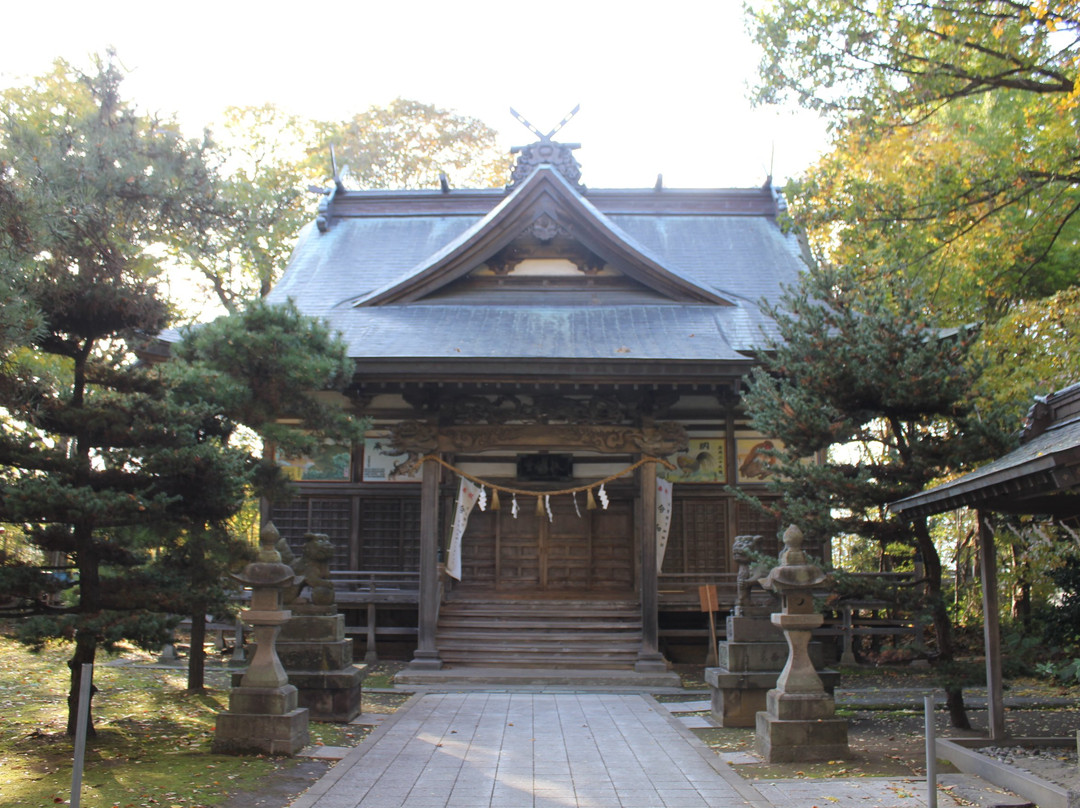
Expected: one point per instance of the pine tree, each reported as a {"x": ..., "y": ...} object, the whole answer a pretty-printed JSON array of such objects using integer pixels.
[
  {"x": 98, "y": 457},
  {"x": 267, "y": 368},
  {"x": 120, "y": 465},
  {"x": 861, "y": 373}
]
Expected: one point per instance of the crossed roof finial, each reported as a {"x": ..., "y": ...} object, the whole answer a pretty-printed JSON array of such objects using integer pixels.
[
  {"x": 546, "y": 150},
  {"x": 545, "y": 138}
]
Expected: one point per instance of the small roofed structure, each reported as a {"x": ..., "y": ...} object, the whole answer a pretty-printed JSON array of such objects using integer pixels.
[{"x": 1040, "y": 477}]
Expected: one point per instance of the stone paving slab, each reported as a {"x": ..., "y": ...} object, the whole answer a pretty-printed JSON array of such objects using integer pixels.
[
  {"x": 702, "y": 706},
  {"x": 325, "y": 752},
  {"x": 863, "y": 792},
  {"x": 583, "y": 750},
  {"x": 696, "y": 721},
  {"x": 528, "y": 750}
]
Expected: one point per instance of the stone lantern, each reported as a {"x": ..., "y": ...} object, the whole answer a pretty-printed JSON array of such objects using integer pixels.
[
  {"x": 263, "y": 716},
  {"x": 799, "y": 722}
]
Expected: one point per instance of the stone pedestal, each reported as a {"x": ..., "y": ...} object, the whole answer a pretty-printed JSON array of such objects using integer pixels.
[
  {"x": 750, "y": 661},
  {"x": 317, "y": 657},
  {"x": 262, "y": 720},
  {"x": 264, "y": 716},
  {"x": 799, "y": 722}
]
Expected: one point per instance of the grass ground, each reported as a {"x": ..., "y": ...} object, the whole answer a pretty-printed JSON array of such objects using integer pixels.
[{"x": 152, "y": 747}]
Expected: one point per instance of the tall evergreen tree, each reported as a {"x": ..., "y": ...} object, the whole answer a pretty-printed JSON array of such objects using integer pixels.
[
  {"x": 267, "y": 368},
  {"x": 862, "y": 374},
  {"x": 124, "y": 467},
  {"x": 99, "y": 459}
]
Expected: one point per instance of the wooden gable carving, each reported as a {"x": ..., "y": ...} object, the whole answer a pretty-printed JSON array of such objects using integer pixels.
[{"x": 543, "y": 218}]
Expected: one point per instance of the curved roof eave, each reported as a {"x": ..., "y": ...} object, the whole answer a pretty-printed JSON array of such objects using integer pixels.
[{"x": 545, "y": 191}]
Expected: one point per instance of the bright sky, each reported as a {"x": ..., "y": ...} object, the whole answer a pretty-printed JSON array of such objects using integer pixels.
[{"x": 662, "y": 86}]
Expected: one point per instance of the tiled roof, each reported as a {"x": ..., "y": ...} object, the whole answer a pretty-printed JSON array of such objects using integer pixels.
[
  {"x": 629, "y": 333},
  {"x": 725, "y": 243},
  {"x": 1041, "y": 471}
]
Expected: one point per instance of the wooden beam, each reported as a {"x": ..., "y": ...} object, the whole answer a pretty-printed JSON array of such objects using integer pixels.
[{"x": 664, "y": 439}]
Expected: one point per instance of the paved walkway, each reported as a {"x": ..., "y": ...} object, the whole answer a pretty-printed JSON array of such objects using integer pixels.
[{"x": 545, "y": 750}]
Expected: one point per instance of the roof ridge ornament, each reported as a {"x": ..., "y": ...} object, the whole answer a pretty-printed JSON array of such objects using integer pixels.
[{"x": 546, "y": 151}]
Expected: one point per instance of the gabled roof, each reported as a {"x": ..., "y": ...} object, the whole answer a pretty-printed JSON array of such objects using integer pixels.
[
  {"x": 546, "y": 197},
  {"x": 409, "y": 278},
  {"x": 1042, "y": 476}
]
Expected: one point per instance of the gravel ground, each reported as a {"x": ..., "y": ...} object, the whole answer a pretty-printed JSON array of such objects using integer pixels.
[{"x": 1056, "y": 765}]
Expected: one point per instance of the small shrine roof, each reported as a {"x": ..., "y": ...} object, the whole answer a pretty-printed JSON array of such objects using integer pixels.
[{"x": 1041, "y": 476}]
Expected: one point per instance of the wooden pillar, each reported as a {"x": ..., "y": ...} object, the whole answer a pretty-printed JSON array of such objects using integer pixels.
[
  {"x": 427, "y": 655},
  {"x": 650, "y": 660},
  {"x": 991, "y": 631}
]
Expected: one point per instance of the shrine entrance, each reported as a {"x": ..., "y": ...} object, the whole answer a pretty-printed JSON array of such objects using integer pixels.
[
  {"x": 566, "y": 555},
  {"x": 566, "y": 559}
]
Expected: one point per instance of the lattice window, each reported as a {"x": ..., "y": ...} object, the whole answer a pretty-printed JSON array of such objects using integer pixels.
[
  {"x": 752, "y": 522},
  {"x": 698, "y": 540},
  {"x": 316, "y": 515},
  {"x": 390, "y": 534}
]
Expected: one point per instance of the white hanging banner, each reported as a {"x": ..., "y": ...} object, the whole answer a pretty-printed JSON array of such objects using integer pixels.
[
  {"x": 468, "y": 493},
  {"x": 663, "y": 519}
]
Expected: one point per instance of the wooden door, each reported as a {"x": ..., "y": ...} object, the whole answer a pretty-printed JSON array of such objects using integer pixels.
[
  {"x": 566, "y": 554},
  {"x": 518, "y": 549}
]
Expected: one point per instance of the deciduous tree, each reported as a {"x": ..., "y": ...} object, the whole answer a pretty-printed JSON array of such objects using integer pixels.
[
  {"x": 266, "y": 160},
  {"x": 955, "y": 157},
  {"x": 954, "y": 164},
  {"x": 408, "y": 144}
]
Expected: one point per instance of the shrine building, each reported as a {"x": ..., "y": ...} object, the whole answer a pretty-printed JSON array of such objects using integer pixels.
[{"x": 552, "y": 375}]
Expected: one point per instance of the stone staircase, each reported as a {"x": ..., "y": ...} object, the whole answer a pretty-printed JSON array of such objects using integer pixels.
[{"x": 553, "y": 634}]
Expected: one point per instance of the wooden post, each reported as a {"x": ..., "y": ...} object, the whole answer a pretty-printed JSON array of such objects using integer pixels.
[
  {"x": 650, "y": 660},
  {"x": 991, "y": 631},
  {"x": 371, "y": 655},
  {"x": 82, "y": 722},
  {"x": 427, "y": 655},
  {"x": 710, "y": 603}
]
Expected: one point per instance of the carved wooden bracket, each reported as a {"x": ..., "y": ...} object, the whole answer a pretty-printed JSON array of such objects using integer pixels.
[
  {"x": 413, "y": 436},
  {"x": 662, "y": 440}
]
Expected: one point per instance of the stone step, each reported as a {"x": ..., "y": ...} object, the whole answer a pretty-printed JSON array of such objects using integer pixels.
[
  {"x": 541, "y": 661},
  {"x": 541, "y": 614},
  {"x": 537, "y": 645},
  {"x": 474, "y": 624},
  {"x": 531, "y": 677},
  {"x": 540, "y": 633}
]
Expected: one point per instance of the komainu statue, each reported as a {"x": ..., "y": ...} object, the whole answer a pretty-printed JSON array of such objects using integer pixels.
[
  {"x": 312, "y": 570},
  {"x": 743, "y": 550}
]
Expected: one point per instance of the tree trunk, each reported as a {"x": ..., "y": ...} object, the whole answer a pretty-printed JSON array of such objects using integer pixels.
[
  {"x": 85, "y": 650},
  {"x": 85, "y": 639},
  {"x": 196, "y": 679},
  {"x": 1021, "y": 595},
  {"x": 954, "y": 689}
]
